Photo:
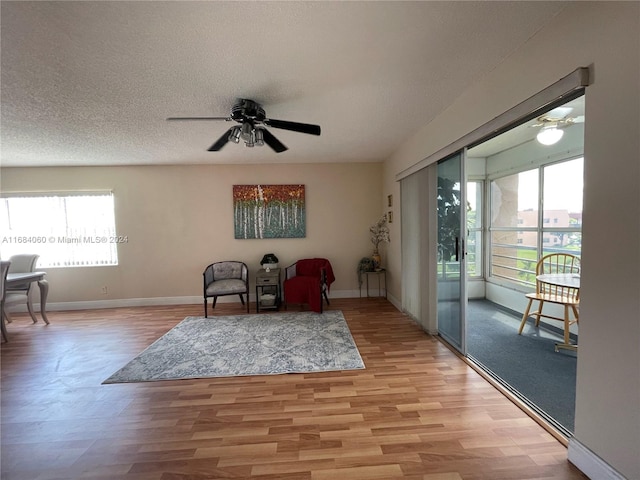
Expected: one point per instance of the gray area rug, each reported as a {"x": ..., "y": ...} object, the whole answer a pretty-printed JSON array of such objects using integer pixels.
[{"x": 246, "y": 345}]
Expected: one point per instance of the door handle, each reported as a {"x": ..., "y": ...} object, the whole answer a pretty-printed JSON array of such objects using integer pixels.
[{"x": 457, "y": 249}]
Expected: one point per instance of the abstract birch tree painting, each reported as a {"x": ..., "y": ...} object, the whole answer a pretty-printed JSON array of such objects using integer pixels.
[{"x": 269, "y": 211}]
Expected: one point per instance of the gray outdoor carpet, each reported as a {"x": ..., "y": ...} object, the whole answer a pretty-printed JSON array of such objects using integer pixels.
[
  {"x": 246, "y": 345},
  {"x": 528, "y": 362}
]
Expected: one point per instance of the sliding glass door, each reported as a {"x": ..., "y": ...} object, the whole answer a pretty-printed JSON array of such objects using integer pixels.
[{"x": 451, "y": 285}]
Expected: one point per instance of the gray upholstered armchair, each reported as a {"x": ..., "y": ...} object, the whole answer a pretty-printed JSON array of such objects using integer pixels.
[{"x": 226, "y": 278}]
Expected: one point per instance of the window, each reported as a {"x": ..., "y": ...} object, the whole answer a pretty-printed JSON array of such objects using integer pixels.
[
  {"x": 474, "y": 227},
  {"x": 513, "y": 199},
  {"x": 66, "y": 230},
  {"x": 522, "y": 206}
]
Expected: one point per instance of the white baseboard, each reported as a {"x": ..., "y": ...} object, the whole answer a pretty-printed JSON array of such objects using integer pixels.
[
  {"x": 394, "y": 301},
  {"x": 121, "y": 302},
  {"x": 155, "y": 301},
  {"x": 590, "y": 464}
]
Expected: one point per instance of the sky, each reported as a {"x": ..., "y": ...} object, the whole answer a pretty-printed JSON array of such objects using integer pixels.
[{"x": 563, "y": 187}]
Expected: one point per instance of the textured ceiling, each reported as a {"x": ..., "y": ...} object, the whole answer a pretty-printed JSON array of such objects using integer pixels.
[{"x": 91, "y": 83}]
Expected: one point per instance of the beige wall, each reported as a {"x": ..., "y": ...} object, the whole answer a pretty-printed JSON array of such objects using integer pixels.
[
  {"x": 180, "y": 219},
  {"x": 604, "y": 36}
]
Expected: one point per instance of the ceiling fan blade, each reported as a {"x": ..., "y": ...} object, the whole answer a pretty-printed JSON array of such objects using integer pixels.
[
  {"x": 293, "y": 126},
  {"x": 559, "y": 112},
  {"x": 221, "y": 142},
  {"x": 273, "y": 142},
  {"x": 227, "y": 119}
]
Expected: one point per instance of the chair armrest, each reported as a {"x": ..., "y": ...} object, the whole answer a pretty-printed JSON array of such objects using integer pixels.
[
  {"x": 245, "y": 274},
  {"x": 207, "y": 276},
  {"x": 290, "y": 272}
]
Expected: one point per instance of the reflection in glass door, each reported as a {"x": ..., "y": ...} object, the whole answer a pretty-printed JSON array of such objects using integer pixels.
[{"x": 452, "y": 298}]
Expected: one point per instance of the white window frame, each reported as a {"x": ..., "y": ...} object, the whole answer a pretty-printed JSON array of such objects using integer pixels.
[{"x": 540, "y": 230}]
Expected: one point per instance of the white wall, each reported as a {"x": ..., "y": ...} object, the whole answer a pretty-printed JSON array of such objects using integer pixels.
[
  {"x": 603, "y": 36},
  {"x": 180, "y": 219}
]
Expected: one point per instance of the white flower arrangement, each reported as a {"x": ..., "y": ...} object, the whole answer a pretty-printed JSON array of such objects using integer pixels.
[{"x": 379, "y": 233}]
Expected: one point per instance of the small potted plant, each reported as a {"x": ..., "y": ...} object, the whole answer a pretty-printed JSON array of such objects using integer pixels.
[
  {"x": 379, "y": 232},
  {"x": 365, "y": 265},
  {"x": 269, "y": 261}
]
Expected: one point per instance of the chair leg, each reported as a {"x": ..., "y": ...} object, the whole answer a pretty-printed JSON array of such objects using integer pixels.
[
  {"x": 538, "y": 313},
  {"x": 3, "y": 327},
  {"x": 30, "y": 309},
  {"x": 242, "y": 300},
  {"x": 205, "y": 308},
  {"x": 566, "y": 324},
  {"x": 525, "y": 316},
  {"x": 575, "y": 312}
]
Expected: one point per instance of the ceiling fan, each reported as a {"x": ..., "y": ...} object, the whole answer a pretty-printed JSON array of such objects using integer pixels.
[
  {"x": 252, "y": 119},
  {"x": 551, "y": 123}
]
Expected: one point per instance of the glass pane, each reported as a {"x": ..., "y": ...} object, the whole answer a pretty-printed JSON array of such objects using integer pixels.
[
  {"x": 449, "y": 215},
  {"x": 474, "y": 253},
  {"x": 451, "y": 297},
  {"x": 562, "y": 195},
  {"x": 514, "y": 200},
  {"x": 474, "y": 226},
  {"x": 474, "y": 205},
  {"x": 562, "y": 242}
]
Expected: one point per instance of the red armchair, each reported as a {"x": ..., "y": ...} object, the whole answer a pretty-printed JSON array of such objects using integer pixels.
[{"x": 308, "y": 281}]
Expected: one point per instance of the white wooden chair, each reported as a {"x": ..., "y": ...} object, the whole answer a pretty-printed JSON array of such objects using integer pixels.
[{"x": 567, "y": 296}]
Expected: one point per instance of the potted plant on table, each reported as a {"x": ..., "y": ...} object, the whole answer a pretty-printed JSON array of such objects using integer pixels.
[{"x": 269, "y": 261}]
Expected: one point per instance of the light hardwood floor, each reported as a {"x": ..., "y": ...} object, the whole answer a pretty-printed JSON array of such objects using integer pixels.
[{"x": 416, "y": 412}]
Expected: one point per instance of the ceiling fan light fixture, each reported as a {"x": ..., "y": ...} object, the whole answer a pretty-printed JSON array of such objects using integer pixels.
[
  {"x": 247, "y": 130},
  {"x": 259, "y": 137},
  {"x": 549, "y": 135},
  {"x": 234, "y": 136},
  {"x": 249, "y": 140}
]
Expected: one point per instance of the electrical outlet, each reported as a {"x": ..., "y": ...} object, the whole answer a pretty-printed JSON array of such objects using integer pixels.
[{"x": 104, "y": 290}]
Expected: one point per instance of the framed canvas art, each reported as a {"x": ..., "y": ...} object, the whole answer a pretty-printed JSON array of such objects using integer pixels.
[{"x": 269, "y": 211}]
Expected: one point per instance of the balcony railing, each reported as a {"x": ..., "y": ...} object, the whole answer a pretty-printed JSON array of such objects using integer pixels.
[{"x": 518, "y": 264}]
